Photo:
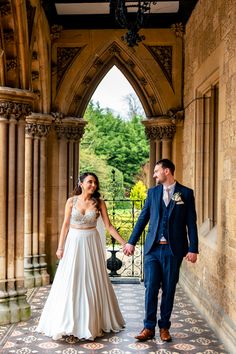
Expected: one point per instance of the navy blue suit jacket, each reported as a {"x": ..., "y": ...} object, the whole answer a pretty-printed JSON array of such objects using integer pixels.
[{"x": 182, "y": 227}]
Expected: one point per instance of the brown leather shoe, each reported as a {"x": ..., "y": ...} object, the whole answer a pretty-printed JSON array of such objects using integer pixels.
[
  {"x": 145, "y": 334},
  {"x": 165, "y": 335}
]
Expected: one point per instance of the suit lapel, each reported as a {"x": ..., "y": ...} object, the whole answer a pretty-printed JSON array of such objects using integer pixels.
[
  {"x": 157, "y": 205},
  {"x": 172, "y": 202}
]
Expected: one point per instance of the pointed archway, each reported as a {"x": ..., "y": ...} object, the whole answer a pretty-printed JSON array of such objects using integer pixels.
[{"x": 85, "y": 70}]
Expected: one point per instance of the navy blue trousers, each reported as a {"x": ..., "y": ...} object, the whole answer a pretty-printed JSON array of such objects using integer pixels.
[{"x": 161, "y": 271}]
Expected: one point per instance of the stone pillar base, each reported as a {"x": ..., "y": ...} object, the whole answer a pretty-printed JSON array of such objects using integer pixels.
[
  {"x": 5, "y": 314},
  {"x": 14, "y": 307},
  {"x": 43, "y": 270}
]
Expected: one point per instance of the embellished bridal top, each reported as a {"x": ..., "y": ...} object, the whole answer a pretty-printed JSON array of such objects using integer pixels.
[{"x": 88, "y": 219}]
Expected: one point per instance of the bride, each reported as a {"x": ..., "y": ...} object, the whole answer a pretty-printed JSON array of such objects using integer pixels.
[{"x": 82, "y": 301}]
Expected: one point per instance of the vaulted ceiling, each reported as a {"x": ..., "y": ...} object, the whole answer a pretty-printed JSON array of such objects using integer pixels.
[{"x": 98, "y": 14}]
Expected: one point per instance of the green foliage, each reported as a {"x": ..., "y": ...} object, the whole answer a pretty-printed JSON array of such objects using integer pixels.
[
  {"x": 92, "y": 163},
  {"x": 137, "y": 193},
  {"x": 120, "y": 142}
]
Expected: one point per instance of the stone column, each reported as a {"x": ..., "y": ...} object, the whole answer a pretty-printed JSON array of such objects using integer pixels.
[
  {"x": 37, "y": 128},
  {"x": 4, "y": 309},
  {"x": 15, "y": 105},
  {"x": 69, "y": 131},
  {"x": 167, "y": 148},
  {"x": 76, "y": 160},
  {"x": 28, "y": 266},
  {"x": 152, "y": 161},
  {"x": 35, "y": 220},
  {"x": 160, "y": 132}
]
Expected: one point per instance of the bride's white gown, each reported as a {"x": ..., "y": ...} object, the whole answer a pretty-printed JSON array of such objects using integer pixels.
[{"x": 82, "y": 301}]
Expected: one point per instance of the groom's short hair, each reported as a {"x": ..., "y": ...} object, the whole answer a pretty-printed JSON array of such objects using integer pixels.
[{"x": 166, "y": 163}]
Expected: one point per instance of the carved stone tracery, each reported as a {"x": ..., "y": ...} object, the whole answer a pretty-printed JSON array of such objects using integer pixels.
[
  {"x": 65, "y": 56},
  {"x": 163, "y": 56}
]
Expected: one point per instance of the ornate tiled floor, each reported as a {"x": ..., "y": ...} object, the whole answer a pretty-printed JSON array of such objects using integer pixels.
[{"x": 190, "y": 332}]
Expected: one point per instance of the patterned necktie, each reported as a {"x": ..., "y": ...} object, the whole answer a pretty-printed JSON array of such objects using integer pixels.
[{"x": 166, "y": 196}]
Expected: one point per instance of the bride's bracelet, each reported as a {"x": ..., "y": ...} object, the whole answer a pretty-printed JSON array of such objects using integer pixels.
[{"x": 60, "y": 248}]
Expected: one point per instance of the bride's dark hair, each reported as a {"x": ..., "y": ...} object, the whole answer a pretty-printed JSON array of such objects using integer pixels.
[{"x": 78, "y": 190}]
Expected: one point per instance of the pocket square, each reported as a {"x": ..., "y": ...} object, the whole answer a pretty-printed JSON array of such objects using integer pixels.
[{"x": 180, "y": 202}]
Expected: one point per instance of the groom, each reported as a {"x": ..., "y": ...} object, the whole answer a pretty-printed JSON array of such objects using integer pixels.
[{"x": 172, "y": 235}]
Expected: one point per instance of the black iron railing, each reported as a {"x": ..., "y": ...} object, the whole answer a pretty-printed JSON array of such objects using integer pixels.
[{"x": 123, "y": 215}]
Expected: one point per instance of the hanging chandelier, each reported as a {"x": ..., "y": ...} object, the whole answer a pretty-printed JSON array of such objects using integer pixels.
[{"x": 131, "y": 15}]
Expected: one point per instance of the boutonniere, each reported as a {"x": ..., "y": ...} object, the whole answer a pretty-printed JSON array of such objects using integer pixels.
[{"x": 177, "y": 197}]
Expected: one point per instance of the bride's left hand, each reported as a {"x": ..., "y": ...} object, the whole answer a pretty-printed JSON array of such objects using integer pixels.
[{"x": 59, "y": 253}]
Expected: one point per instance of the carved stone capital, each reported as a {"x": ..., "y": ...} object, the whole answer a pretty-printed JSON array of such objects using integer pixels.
[
  {"x": 15, "y": 103},
  {"x": 38, "y": 125},
  {"x": 160, "y": 132},
  {"x": 160, "y": 128},
  {"x": 15, "y": 110},
  {"x": 38, "y": 130},
  {"x": 71, "y": 129},
  {"x": 69, "y": 132}
]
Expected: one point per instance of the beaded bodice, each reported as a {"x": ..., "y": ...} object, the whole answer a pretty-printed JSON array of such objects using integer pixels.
[{"x": 89, "y": 218}]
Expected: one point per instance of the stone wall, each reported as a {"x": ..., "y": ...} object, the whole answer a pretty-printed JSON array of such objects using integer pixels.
[{"x": 210, "y": 58}]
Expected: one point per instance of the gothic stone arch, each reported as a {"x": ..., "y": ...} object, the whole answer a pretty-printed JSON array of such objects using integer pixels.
[{"x": 82, "y": 58}]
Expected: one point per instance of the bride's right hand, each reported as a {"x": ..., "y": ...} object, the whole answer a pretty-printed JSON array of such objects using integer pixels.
[{"x": 59, "y": 253}]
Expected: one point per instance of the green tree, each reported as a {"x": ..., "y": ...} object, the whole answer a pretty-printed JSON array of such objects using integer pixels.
[
  {"x": 122, "y": 143},
  {"x": 138, "y": 193},
  {"x": 90, "y": 162}
]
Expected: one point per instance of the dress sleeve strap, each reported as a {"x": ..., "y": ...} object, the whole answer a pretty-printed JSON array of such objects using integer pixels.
[{"x": 75, "y": 200}]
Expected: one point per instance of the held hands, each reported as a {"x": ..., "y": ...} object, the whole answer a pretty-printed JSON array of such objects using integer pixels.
[
  {"x": 191, "y": 257},
  {"x": 128, "y": 249}
]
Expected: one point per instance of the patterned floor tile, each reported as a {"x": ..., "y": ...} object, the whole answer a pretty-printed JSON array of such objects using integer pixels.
[{"x": 190, "y": 333}]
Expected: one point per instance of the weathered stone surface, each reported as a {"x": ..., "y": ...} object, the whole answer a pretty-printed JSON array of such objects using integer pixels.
[{"x": 210, "y": 57}]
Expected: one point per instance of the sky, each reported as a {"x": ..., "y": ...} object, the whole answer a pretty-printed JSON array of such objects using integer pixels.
[{"x": 111, "y": 91}]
